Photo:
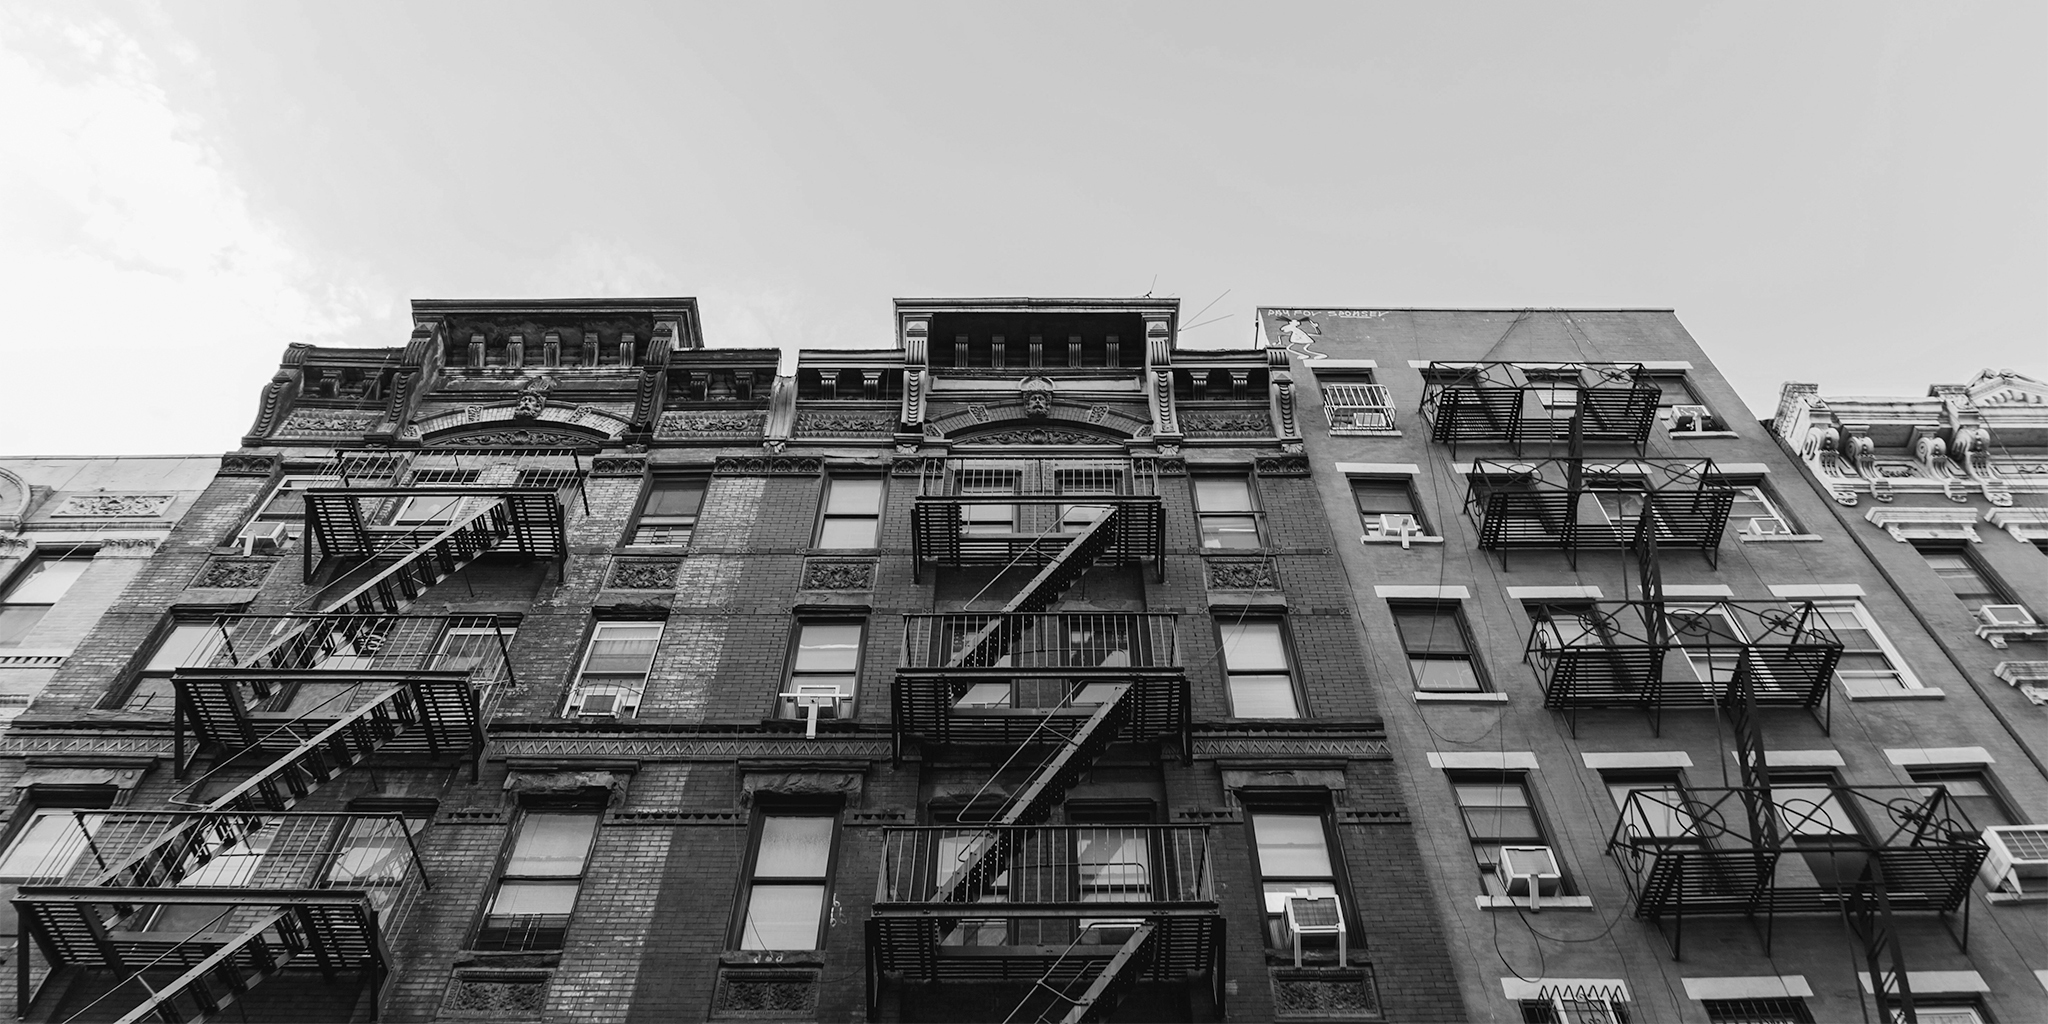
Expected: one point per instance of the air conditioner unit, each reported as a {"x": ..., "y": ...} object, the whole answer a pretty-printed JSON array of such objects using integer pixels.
[
  {"x": 1391, "y": 525},
  {"x": 1530, "y": 871},
  {"x": 2006, "y": 615},
  {"x": 1316, "y": 915},
  {"x": 2018, "y": 858},
  {"x": 1765, "y": 526},
  {"x": 262, "y": 535},
  {"x": 1690, "y": 418},
  {"x": 817, "y": 700},
  {"x": 599, "y": 705}
]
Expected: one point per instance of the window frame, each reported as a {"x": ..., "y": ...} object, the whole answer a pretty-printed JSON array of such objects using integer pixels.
[
  {"x": 1994, "y": 588},
  {"x": 26, "y": 571},
  {"x": 826, "y": 516},
  {"x": 1299, "y": 804},
  {"x": 749, "y": 879},
  {"x": 501, "y": 873},
  {"x": 786, "y": 708},
  {"x": 1715, "y": 422},
  {"x": 1254, "y": 511},
  {"x": 642, "y": 520},
  {"x": 1389, "y": 482},
  {"x": 1482, "y": 681},
  {"x": 574, "y": 707},
  {"x": 1761, "y": 494},
  {"x": 1907, "y": 680},
  {"x": 1287, "y": 653},
  {"x": 1681, "y": 828},
  {"x": 295, "y": 522},
  {"x": 1931, "y": 775},
  {"x": 143, "y": 671},
  {"x": 1491, "y": 885}
]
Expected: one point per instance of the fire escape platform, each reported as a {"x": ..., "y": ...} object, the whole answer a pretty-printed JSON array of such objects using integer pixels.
[
  {"x": 1571, "y": 506},
  {"x": 1615, "y": 655},
  {"x": 438, "y": 710},
  {"x": 928, "y": 707},
  {"x": 344, "y": 520},
  {"x": 1522, "y": 404},
  {"x": 1187, "y": 941},
  {"x": 943, "y": 530}
]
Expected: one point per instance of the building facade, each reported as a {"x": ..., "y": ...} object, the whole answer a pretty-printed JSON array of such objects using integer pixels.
[
  {"x": 556, "y": 666},
  {"x": 1685, "y": 740}
]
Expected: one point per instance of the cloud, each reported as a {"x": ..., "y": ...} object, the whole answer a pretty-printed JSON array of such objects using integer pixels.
[{"x": 136, "y": 275}]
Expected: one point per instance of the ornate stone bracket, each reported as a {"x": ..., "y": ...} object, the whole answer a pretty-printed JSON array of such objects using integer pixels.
[{"x": 1908, "y": 524}]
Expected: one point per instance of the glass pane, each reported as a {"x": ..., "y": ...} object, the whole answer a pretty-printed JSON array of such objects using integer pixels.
[
  {"x": 1658, "y": 813},
  {"x": 1701, "y": 628},
  {"x": 847, "y": 533},
  {"x": 1278, "y": 893},
  {"x": 17, "y": 620},
  {"x": 1254, "y": 647},
  {"x": 622, "y": 650},
  {"x": 235, "y": 863},
  {"x": 675, "y": 498},
  {"x": 1376, "y": 497},
  {"x": 783, "y": 917},
  {"x": 1291, "y": 844},
  {"x": 46, "y": 579},
  {"x": 794, "y": 847},
  {"x": 1223, "y": 494},
  {"x": 534, "y": 899},
  {"x": 190, "y": 643},
  {"x": 551, "y": 844},
  {"x": 1263, "y": 697},
  {"x": 1229, "y": 531},
  {"x": 429, "y": 508},
  {"x": 854, "y": 496},
  {"x": 828, "y": 647},
  {"x": 374, "y": 853},
  {"x": 49, "y": 844},
  {"x": 1429, "y": 630},
  {"x": 1446, "y": 675}
]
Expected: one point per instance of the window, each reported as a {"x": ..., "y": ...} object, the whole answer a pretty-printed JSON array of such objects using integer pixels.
[
  {"x": 1093, "y": 482},
  {"x": 187, "y": 644},
  {"x": 477, "y": 650},
  {"x": 38, "y": 584},
  {"x": 1869, "y": 662},
  {"x": 1112, "y": 864},
  {"x": 433, "y": 509},
  {"x": 1660, "y": 813},
  {"x": 1756, "y": 514},
  {"x": 786, "y": 890},
  {"x": 1972, "y": 790},
  {"x": 853, "y": 513},
  {"x": 1709, "y": 640},
  {"x": 1386, "y": 508},
  {"x": 1572, "y": 1009},
  {"x": 1941, "y": 1012},
  {"x": 1294, "y": 862},
  {"x": 1256, "y": 670},
  {"x": 1957, "y": 568},
  {"x": 287, "y": 501},
  {"x": 1226, "y": 512},
  {"x": 669, "y": 513},
  {"x": 824, "y": 669},
  {"x": 1757, "y": 1011},
  {"x": 614, "y": 672},
  {"x": 1680, "y": 407},
  {"x": 1439, "y": 648},
  {"x": 48, "y": 844},
  {"x": 1498, "y": 812},
  {"x": 537, "y": 887},
  {"x": 987, "y": 517},
  {"x": 374, "y": 854},
  {"x": 231, "y": 864}
]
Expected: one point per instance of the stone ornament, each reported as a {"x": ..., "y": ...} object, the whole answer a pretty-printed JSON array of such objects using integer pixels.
[
  {"x": 643, "y": 574},
  {"x": 827, "y": 574},
  {"x": 310, "y": 421},
  {"x": 233, "y": 573},
  {"x": 826, "y": 424},
  {"x": 687, "y": 424},
  {"x": 100, "y": 505},
  {"x": 618, "y": 465},
  {"x": 1243, "y": 574},
  {"x": 769, "y": 465}
]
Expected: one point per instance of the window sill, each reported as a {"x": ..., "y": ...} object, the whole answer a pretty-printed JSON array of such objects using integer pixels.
[
  {"x": 2006, "y": 899},
  {"x": 1404, "y": 542},
  {"x": 1542, "y": 904},
  {"x": 1355, "y": 432},
  {"x": 1764, "y": 538},
  {"x": 1422, "y": 697},
  {"x": 654, "y": 549},
  {"x": 780, "y": 957},
  {"x": 1859, "y": 692},
  {"x": 1693, "y": 435}
]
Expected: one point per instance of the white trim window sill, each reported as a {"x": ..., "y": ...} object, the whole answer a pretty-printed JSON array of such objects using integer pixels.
[
  {"x": 1368, "y": 539},
  {"x": 1460, "y": 698},
  {"x": 1491, "y": 902},
  {"x": 1761, "y": 538},
  {"x": 1858, "y": 693},
  {"x": 1693, "y": 435},
  {"x": 2006, "y": 899},
  {"x": 1353, "y": 432}
]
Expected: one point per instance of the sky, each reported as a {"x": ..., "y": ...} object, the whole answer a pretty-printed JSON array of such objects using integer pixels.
[{"x": 1845, "y": 193}]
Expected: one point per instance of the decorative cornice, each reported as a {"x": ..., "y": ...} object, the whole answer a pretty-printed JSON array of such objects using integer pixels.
[
  {"x": 692, "y": 424},
  {"x": 1913, "y": 523},
  {"x": 241, "y": 464},
  {"x": 769, "y": 465},
  {"x": 327, "y": 421},
  {"x": 17, "y": 741},
  {"x": 522, "y": 438},
  {"x": 1291, "y": 746}
]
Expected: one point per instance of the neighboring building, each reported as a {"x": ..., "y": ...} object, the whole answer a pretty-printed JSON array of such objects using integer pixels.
[
  {"x": 73, "y": 532},
  {"x": 1682, "y": 747},
  {"x": 556, "y": 667}
]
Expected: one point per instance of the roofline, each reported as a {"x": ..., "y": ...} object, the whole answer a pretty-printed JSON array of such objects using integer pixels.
[
  {"x": 524, "y": 305},
  {"x": 1474, "y": 309},
  {"x": 1000, "y": 303}
]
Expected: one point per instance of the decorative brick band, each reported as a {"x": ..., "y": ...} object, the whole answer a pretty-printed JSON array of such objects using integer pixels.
[{"x": 838, "y": 574}]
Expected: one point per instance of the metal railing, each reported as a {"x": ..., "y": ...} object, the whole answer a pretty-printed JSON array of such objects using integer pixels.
[
  {"x": 1039, "y": 865},
  {"x": 1071, "y": 643},
  {"x": 1521, "y": 403},
  {"x": 347, "y": 642},
  {"x": 1071, "y": 479},
  {"x": 1358, "y": 408},
  {"x": 1681, "y": 654}
]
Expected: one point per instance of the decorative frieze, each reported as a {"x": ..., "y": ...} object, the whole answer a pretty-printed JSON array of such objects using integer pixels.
[
  {"x": 618, "y": 465},
  {"x": 114, "y": 505},
  {"x": 1036, "y": 436},
  {"x": 248, "y": 465},
  {"x": 644, "y": 574},
  {"x": 129, "y": 547},
  {"x": 769, "y": 465},
  {"x": 844, "y": 424},
  {"x": 1240, "y": 423},
  {"x": 670, "y": 747},
  {"x": 714, "y": 424},
  {"x": 327, "y": 421},
  {"x": 233, "y": 573},
  {"x": 756, "y": 994},
  {"x": 1242, "y": 574},
  {"x": 838, "y": 574},
  {"x": 1324, "y": 993},
  {"x": 2026, "y": 525},
  {"x": 524, "y": 438},
  {"x": 496, "y": 995},
  {"x": 1281, "y": 465}
]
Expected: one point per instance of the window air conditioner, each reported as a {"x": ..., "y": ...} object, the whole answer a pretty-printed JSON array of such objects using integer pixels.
[
  {"x": 2006, "y": 615},
  {"x": 1689, "y": 418},
  {"x": 2018, "y": 858},
  {"x": 1392, "y": 525},
  {"x": 817, "y": 700},
  {"x": 262, "y": 535},
  {"x": 598, "y": 705},
  {"x": 1530, "y": 871},
  {"x": 1765, "y": 526},
  {"x": 1316, "y": 915}
]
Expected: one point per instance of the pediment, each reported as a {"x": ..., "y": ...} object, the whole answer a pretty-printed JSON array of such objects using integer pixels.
[
  {"x": 1073, "y": 422},
  {"x": 1997, "y": 388},
  {"x": 583, "y": 422}
]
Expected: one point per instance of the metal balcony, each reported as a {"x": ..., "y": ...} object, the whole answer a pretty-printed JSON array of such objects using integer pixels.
[
  {"x": 1031, "y": 902},
  {"x": 1794, "y": 849},
  {"x": 1568, "y": 506},
  {"x": 1524, "y": 404},
  {"x": 1650, "y": 657},
  {"x": 356, "y": 523},
  {"x": 1359, "y": 408},
  {"x": 1004, "y": 512},
  {"x": 227, "y": 898},
  {"x": 1022, "y": 678}
]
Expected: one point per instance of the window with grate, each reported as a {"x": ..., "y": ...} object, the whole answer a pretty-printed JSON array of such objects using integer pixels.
[
  {"x": 1565, "y": 1010},
  {"x": 1942, "y": 1012},
  {"x": 1783, "y": 1010}
]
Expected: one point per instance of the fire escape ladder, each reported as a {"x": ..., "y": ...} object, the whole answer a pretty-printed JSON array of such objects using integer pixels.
[
  {"x": 401, "y": 582},
  {"x": 227, "y": 974},
  {"x": 990, "y": 643},
  {"x": 1108, "y": 985},
  {"x": 1869, "y": 911}
]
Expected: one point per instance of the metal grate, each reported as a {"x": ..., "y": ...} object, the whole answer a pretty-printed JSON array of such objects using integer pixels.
[
  {"x": 550, "y": 479},
  {"x": 1758, "y": 1011},
  {"x": 426, "y": 477},
  {"x": 2026, "y": 844}
]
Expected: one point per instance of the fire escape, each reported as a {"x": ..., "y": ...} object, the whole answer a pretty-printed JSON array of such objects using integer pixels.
[
  {"x": 185, "y": 911},
  {"x": 1081, "y": 913},
  {"x": 1865, "y": 854}
]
